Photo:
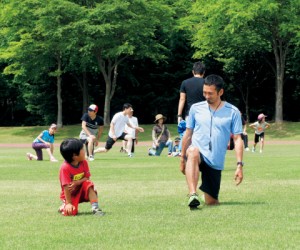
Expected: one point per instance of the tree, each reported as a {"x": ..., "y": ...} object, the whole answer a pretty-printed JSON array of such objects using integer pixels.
[
  {"x": 229, "y": 29},
  {"x": 120, "y": 29},
  {"x": 46, "y": 35}
]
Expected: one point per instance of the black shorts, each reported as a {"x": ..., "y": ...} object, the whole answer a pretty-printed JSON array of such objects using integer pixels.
[
  {"x": 110, "y": 141},
  {"x": 256, "y": 137},
  {"x": 211, "y": 179}
]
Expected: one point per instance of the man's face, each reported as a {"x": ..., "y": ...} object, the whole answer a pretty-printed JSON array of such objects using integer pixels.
[
  {"x": 211, "y": 94},
  {"x": 129, "y": 111},
  {"x": 91, "y": 113}
]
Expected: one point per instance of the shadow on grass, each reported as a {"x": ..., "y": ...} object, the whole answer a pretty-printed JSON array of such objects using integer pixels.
[{"x": 241, "y": 203}]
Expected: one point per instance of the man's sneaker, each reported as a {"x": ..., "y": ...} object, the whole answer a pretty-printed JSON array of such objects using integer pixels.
[
  {"x": 247, "y": 149},
  {"x": 91, "y": 158},
  {"x": 193, "y": 201},
  {"x": 260, "y": 151},
  {"x": 98, "y": 212},
  {"x": 29, "y": 156},
  {"x": 253, "y": 150},
  {"x": 130, "y": 155}
]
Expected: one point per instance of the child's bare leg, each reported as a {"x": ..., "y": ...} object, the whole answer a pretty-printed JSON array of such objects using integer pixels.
[
  {"x": 94, "y": 202},
  {"x": 50, "y": 153}
]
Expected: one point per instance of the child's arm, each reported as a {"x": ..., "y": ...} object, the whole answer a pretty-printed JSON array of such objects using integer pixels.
[
  {"x": 75, "y": 184},
  {"x": 68, "y": 207}
]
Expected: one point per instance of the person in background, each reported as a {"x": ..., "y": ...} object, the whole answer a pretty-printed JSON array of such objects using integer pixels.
[
  {"x": 181, "y": 127},
  {"x": 161, "y": 137},
  {"x": 45, "y": 140},
  {"x": 259, "y": 135},
  {"x": 116, "y": 131},
  {"x": 130, "y": 131},
  {"x": 92, "y": 128},
  {"x": 191, "y": 90},
  {"x": 176, "y": 149},
  {"x": 244, "y": 134},
  {"x": 204, "y": 143},
  {"x": 74, "y": 176}
]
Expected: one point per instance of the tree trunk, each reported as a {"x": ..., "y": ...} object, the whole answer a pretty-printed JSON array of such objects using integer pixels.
[
  {"x": 106, "y": 69},
  {"x": 58, "y": 95},
  {"x": 85, "y": 94},
  {"x": 280, "y": 51}
]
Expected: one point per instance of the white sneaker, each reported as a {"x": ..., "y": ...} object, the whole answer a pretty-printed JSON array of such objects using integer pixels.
[
  {"x": 91, "y": 158},
  {"x": 130, "y": 155},
  {"x": 247, "y": 149},
  {"x": 253, "y": 150},
  {"x": 53, "y": 160},
  {"x": 29, "y": 157},
  {"x": 260, "y": 151}
]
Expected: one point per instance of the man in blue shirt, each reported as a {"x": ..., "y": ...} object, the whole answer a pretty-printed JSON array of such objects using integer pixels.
[{"x": 204, "y": 143}]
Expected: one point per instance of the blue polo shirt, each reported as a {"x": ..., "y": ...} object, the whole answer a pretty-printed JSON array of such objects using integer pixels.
[{"x": 210, "y": 127}]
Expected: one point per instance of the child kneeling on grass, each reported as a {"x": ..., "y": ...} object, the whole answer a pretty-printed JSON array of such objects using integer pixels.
[{"x": 74, "y": 179}]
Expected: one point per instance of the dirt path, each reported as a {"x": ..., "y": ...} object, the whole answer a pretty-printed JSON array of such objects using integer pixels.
[{"x": 143, "y": 143}]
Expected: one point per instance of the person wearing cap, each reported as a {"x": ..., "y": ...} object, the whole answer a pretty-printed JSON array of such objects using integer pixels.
[
  {"x": 92, "y": 128},
  {"x": 259, "y": 135},
  {"x": 191, "y": 90},
  {"x": 116, "y": 130},
  {"x": 204, "y": 144},
  {"x": 161, "y": 137},
  {"x": 45, "y": 140}
]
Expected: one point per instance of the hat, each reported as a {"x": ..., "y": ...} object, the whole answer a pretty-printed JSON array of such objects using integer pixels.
[
  {"x": 93, "y": 107},
  {"x": 159, "y": 116},
  {"x": 260, "y": 116},
  {"x": 53, "y": 125},
  {"x": 177, "y": 139}
]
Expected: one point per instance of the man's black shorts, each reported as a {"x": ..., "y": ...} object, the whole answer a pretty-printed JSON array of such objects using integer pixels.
[
  {"x": 211, "y": 179},
  {"x": 110, "y": 141}
]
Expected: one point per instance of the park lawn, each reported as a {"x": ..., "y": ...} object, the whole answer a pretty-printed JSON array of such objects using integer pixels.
[
  {"x": 146, "y": 205},
  {"x": 285, "y": 131}
]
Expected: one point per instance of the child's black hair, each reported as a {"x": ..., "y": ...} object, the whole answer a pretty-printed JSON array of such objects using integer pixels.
[{"x": 70, "y": 147}]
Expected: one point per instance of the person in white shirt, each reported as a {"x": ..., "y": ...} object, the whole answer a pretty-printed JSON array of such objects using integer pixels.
[
  {"x": 116, "y": 131},
  {"x": 130, "y": 131}
]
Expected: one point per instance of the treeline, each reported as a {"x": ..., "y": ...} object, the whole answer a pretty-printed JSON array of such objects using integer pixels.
[{"x": 59, "y": 56}]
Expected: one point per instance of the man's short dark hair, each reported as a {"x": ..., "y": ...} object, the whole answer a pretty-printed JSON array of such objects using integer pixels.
[
  {"x": 127, "y": 106},
  {"x": 214, "y": 80},
  {"x": 199, "y": 68},
  {"x": 70, "y": 147}
]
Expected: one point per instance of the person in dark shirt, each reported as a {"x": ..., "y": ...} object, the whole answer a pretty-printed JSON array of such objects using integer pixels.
[
  {"x": 92, "y": 128},
  {"x": 191, "y": 90}
]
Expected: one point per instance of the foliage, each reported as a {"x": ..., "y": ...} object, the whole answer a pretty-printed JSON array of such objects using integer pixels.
[
  {"x": 60, "y": 56},
  {"x": 233, "y": 30}
]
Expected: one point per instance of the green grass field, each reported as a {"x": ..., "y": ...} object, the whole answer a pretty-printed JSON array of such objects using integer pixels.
[{"x": 145, "y": 200}]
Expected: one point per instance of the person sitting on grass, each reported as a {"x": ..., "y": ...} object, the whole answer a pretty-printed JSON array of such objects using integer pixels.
[
  {"x": 74, "y": 176},
  {"x": 44, "y": 140},
  {"x": 176, "y": 149},
  {"x": 161, "y": 137}
]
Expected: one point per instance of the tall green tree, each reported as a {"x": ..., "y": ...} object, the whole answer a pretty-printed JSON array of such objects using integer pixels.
[
  {"x": 120, "y": 29},
  {"x": 42, "y": 35},
  {"x": 229, "y": 29}
]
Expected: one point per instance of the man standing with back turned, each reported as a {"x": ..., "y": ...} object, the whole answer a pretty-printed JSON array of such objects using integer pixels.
[
  {"x": 208, "y": 131},
  {"x": 191, "y": 90}
]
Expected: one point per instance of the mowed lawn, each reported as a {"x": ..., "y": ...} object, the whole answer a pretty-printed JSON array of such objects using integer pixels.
[{"x": 146, "y": 204}]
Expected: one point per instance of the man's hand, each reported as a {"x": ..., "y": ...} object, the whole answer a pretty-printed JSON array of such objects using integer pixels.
[
  {"x": 182, "y": 165},
  {"x": 140, "y": 129},
  {"x": 238, "y": 176}
]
